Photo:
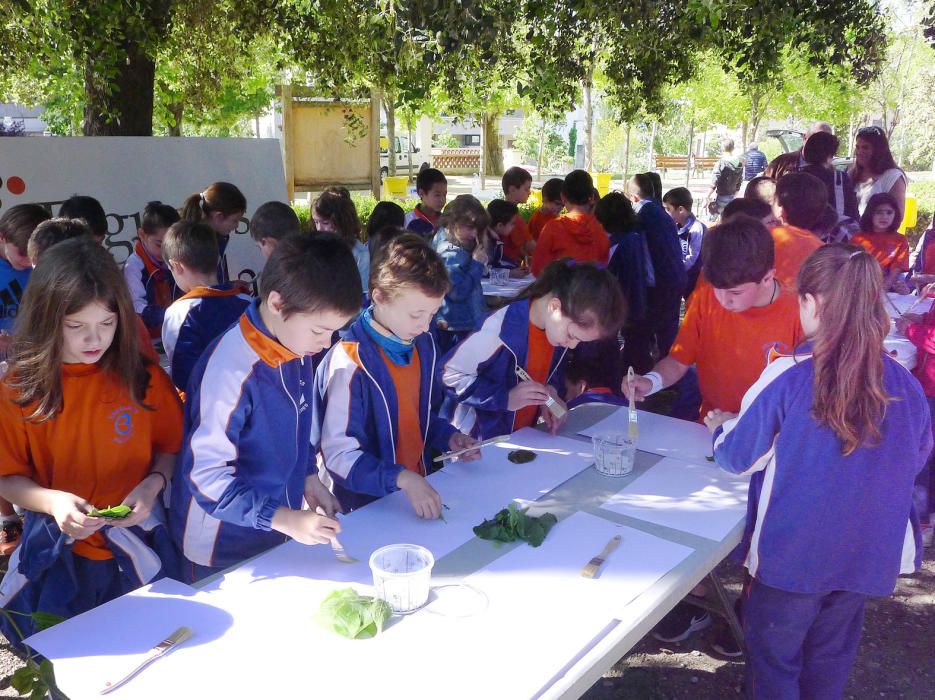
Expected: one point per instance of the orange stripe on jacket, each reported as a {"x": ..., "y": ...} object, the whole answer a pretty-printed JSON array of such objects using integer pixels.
[
  {"x": 406, "y": 381},
  {"x": 537, "y": 366}
]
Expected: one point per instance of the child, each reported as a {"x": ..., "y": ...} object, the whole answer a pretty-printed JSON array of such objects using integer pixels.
[
  {"x": 384, "y": 215},
  {"x": 334, "y": 212},
  {"x": 551, "y": 207},
  {"x": 432, "y": 188},
  {"x": 577, "y": 234},
  {"x": 221, "y": 206},
  {"x": 502, "y": 218},
  {"x": 80, "y": 206},
  {"x": 517, "y": 184},
  {"x": 593, "y": 374},
  {"x": 53, "y": 232},
  {"x": 462, "y": 250},
  {"x": 248, "y": 460},
  {"x": 85, "y": 422},
  {"x": 378, "y": 388},
  {"x": 832, "y": 434},
  {"x": 207, "y": 309},
  {"x": 879, "y": 237},
  {"x": 731, "y": 322},
  {"x": 756, "y": 208},
  {"x": 629, "y": 262},
  {"x": 569, "y": 303},
  {"x": 271, "y": 222},
  {"x": 678, "y": 203},
  {"x": 800, "y": 200},
  {"x": 149, "y": 279}
]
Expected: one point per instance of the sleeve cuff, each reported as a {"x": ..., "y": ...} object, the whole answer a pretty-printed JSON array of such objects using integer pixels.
[
  {"x": 264, "y": 516},
  {"x": 390, "y": 475}
]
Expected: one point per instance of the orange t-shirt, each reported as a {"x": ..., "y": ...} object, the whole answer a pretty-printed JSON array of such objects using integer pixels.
[
  {"x": 730, "y": 348},
  {"x": 517, "y": 240},
  {"x": 406, "y": 380},
  {"x": 537, "y": 222},
  {"x": 891, "y": 250},
  {"x": 99, "y": 447},
  {"x": 538, "y": 361},
  {"x": 793, "y": 245},
  {"x": 575, "y": 235}
]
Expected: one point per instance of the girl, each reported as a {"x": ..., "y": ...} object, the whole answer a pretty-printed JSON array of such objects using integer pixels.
[
  {"x": 335, "y": 212},
  {"x": 378, "y": 388},
  {"x": 834, "y": 436},
  {"x": 85, "y": 422},
  {"x": 460, "y": 245},
  {"x": 879, "y": 236},
  {"x": 222, "y": 206},
  {"x": 151, "y": 285},
  {"x": 568, "y": 304}
]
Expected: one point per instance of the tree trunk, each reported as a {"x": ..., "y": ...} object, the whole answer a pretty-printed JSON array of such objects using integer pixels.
[
  {"x": 176, "y": 109},
  {"x": 588, "y": 126},
  {"x": 390, "y": 107},
  {"x": 121, "y": 104},
  {"x": 691, "y": 139},
  {"x": 409, "y": 150},
  {"x": 652, "y": 148},
  {"x": 493, "y": 156},
  {"x": 483, "y": 152}
]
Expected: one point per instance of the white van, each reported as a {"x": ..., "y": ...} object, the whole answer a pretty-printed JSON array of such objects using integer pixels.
[{"x": 403, "y": 150}]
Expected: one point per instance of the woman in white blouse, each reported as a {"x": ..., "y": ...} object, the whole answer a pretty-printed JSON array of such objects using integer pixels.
[{"x": 874, "y": 169}]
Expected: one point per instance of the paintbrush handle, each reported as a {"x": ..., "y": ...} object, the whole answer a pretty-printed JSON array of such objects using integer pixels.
[{"x": 491, "y": 441}]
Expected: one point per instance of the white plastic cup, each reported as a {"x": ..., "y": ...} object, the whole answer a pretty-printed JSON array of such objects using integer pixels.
[
  {"x": 614, "y": 453},
  {"x": 401, "y": 576},
  {"x": 500, "y": 275}
]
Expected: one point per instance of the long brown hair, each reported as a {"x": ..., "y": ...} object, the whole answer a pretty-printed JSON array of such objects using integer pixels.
[
  {"x": 849, "y": 397},
  {"x": 221, "y": 197},
  {"x": 332, "y": 204},
  {"x": 590, "y": 296},
  {"x": 70, "y": 276}
]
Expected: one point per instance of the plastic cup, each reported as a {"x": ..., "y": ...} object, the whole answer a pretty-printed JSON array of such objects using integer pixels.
[
  {"x": 401, "y": 576},
  {"x": 500, "y": 275},
  {"x": 614, "y": 453}
]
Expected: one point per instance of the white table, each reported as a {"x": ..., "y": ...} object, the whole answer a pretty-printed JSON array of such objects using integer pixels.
[
  {"x": 508, "y": 289},
  {"x": 538, "y": 630}
]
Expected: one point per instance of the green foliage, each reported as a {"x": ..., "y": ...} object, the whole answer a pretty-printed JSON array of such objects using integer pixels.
[
  {"x": 555, "y": 149},
  {"x": 116, "y": 512},
  {"x": 353, "y": 615},
  {"x": 572, "y": 140},
  {"x": 512, "y": 524},
  {"x": 35, "y": 680}
]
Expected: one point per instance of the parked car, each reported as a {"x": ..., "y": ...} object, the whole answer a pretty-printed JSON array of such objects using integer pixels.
[{"x": 404, "y": 149}]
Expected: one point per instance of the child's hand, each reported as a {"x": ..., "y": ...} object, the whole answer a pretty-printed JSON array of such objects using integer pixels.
[
  {"x": 716, "y": 418},
  {"x": 424, "y": 499},
  {"x": 641, "y": 387},
  {"x": 305, "y": 526},
  {"x": 460, "y": 441},
  {"x": 527, "y": 394},
  {"x": 71, "y": 515},
  {"x": 553, "y": 422},
  {"x": 141, "y": 500},
  {"x": 317, "y": 496},
  {"x": 480, "y": 255}
]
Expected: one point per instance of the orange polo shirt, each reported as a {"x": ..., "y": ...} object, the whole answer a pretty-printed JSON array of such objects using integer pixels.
[
  {"x": 101, "y": 444},
  {"x": 891, "y": 250},
  {"x": 537, "y": 222},
  {"x": 730, "y": 348},
  {"x": 792, "y": 245},
  {"x": 406, "y": 381},
  {"x": 538, "y": 361},
  {"x": 517, "y": 240}
]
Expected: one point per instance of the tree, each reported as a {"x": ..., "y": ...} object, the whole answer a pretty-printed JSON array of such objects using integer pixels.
[{"x": 572, "y": 140}]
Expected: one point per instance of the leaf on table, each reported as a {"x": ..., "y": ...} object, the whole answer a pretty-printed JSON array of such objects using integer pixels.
[
  {"x": 352, "y": 615},
  {"x": 513, "y": 523}
]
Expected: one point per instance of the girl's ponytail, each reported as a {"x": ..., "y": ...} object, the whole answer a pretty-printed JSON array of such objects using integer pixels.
[
  {"x": 222, "y": 197},
  {"x": 192, "y": 209},
  {"x": 849, "y": 397},
  {"x": 590, "y": 296}
]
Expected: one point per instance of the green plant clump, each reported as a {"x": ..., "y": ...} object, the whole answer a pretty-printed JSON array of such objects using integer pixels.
[
  {"x": 512, "y": 524},
  {"x": 353, "y": 615}
]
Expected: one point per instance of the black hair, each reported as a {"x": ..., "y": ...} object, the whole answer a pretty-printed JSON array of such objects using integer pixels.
[
  {"x": 877, "y": 200},
  {"x": 656, "y": 179},
  {"x": 274, "y": 220},
  {"x": 157, "y": 215},
  {"x": 679, "y": 197},
  {"x": 80, "y": 206},
  {"x": 501, "y": 211},
  {"x": 514, "y": 177},
  {"x": 597, "y": 364},
  {"x": 552, "y": 190},
  {"x": 615, "y": 213},
  {"x": 819, "y": 147},
  {"x": 429, "y": 177},
  {"x": 738, "y": 251},
  {"x": 578, "y": 187},
  {"x": 645, "y": 185},
  {"x": 385, "y": 214}
]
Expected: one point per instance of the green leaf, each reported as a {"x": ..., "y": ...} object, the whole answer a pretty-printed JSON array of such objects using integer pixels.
[
  {"x": 513, "y": 523},
  {"x": 42, "y": 621},
  {"x": 24, "y": 679},
  {"x": 352, "y": 615},
  {"x": 114, "y": 512}
]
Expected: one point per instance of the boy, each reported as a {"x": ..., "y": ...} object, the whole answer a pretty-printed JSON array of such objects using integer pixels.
[
  {"x": 593, "y": 373},
  {"x": 432, "y": 188},
  {"x": 550, "y": 209},
  {"x": 502, "y": 222},
  {"x": 208, "y": 309},
  {"x": 800, "y": 201},
  {"x": 247, "y": 460},
  {"x": 146, "y": 272},
  {"x": 53, "y": 232},
  {"x": 576, "y": 234},
  {"x": 517, "y": 184},
  {"x": 272, "y": 222},
  {"x": 80, "y": 206},
  {"x": 751, "y": 207},
  {"x": 678, "y": 203}
]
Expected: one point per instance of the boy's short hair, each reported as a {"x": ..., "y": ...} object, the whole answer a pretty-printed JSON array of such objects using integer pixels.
[
  {"x": 656, "y": 179},
  {"x": 428, "y": 178},
  {"x": 274, "y": 220},
  {"x": 501, "y": 211},
  {"x": 80, "y": 206},
  {"x": 748, "y": 207},
  {"x": 679, "y": 197},
  {"x": 736, "y": 252},
  {"x": 193, "y": 244},
  {"x": 515, "y": 177},
  {"x": 642, "y": 186},
  {"x": 313, "y": 273},
  {"x": 578, "y": 187},
  {"x": 819, "y": 147},
  {"x": 408, "y": 261},
  {"x": 53, "y": 231},
  {"x": 157, "y": 215},
  {"x": 18, "y": 223},
  {"x": 803, "y": 198},
  {"x": 615, "y": 213},
  {"x": 762, "y": 188},
  {"x": 385, "y": 214},
  {"x": 552, "y": 190}
]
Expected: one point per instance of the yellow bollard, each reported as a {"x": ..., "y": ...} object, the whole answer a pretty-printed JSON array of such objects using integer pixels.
[
  {"x": 911, "y": 217},
  {"x": 395, "y": 187},
  {"x": 602, "y": 182}
]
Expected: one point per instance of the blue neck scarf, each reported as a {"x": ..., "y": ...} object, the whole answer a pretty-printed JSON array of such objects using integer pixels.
[{"x": 397, "y": 349}]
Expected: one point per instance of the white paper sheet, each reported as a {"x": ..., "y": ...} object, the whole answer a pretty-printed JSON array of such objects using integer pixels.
[
  {"x": 904, "y": 301},
  {"x": 662, "y": 435},
  {"x": 508, "y": 289},
  {"x": 702, "y": 500}
]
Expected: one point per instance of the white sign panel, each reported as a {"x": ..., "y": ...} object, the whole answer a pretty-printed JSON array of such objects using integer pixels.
[{"x": 124, "y": 173}]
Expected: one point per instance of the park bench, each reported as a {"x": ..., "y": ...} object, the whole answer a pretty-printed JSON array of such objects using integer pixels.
[
  {"x": 705, "y": 163},
  {"x": 664, "y": 163}
]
